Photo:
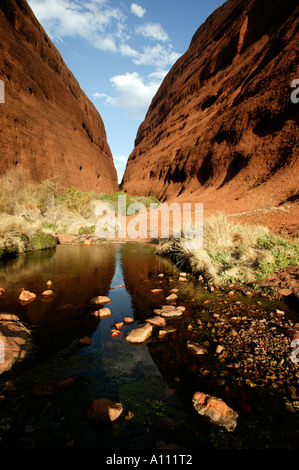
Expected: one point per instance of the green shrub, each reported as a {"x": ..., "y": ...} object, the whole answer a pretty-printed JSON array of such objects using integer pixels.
[
  {"x": 113, "y": 200},
  {"x": 75, "y": 199},
  {"x": 41, "y": 241},
  {"x": 279, "y": 253},
  {"x": 86, "y": 230},
  {"x": 232, "y": 253}
]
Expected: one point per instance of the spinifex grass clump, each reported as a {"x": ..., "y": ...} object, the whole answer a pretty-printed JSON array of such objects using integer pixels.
[{"x": 231, "y": 252}]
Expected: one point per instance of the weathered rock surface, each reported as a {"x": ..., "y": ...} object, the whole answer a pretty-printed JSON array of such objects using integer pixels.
[
  {"x": 170, "y": 311},
  {"x": 26, "y": 296},
  {"x": 215, "y": 410},
  {"x": 100, "y": 299},
  {"x": 222, "y": 126},
  {"x": 15, "y": 341},
  {"x": 156, "y": 321},
  {"x": 102, "y": 313},
  {"x": 48, "y": 125},
  {"x": 140, "y": 333}
]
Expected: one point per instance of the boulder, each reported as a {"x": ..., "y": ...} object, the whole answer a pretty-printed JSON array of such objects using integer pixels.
[
  {"x": 170, "y": 311},
  {"x": 215, "y": 410},
  {"x": 172, "y": 296},
  {"x": 100, "y": 299},
  {"x": 47, "y": 293},
  {"x": 140, "y": 333},
  {"x": 26, "y": 296},
  {"x": 15, "y": 341},
  {"x": 128, "y": 320},
  {"x": 102, "y": 312}
]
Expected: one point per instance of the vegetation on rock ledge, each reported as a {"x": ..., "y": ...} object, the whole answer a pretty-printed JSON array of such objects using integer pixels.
[{"x": 232, "y": 253}]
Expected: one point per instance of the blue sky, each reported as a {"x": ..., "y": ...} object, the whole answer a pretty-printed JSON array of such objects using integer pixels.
[{"x": 120, "y": 51}]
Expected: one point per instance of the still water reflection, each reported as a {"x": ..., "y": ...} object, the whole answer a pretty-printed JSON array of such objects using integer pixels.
[{"x": 154, "y": 381}]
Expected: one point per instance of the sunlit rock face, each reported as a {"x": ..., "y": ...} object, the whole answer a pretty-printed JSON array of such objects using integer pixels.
[
  {"x": 48, "y": 125},
  {"x": 223, "y": 127}
]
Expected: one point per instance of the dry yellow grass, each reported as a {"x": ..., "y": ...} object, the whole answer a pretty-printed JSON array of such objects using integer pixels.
[{"x": 231, "y": 252}]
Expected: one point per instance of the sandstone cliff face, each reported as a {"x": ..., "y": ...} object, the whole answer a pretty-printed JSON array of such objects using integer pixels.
[
  {"x": 222, "y": 128},
  {"x": 47, "y": 123}
]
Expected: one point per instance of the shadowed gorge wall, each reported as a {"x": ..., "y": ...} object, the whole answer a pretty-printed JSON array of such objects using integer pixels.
[
  {"x": 222, "y": 126},
  {"x": 48, "y": 125}
]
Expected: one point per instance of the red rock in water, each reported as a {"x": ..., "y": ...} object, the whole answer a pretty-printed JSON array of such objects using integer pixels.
[
  {"x": 215, "y": 410},
  {"x": 222, "y": 128},
  {"x": 86, "y": 341},
  {"x": 102, "y": 312},
  {"x": 128, "y": 320},
  {"x": 48, "y": 292},
  {"x": 26, "y": 296},
  {"x": 104, "y": 409},
  {"x": 51, "y": 128}
]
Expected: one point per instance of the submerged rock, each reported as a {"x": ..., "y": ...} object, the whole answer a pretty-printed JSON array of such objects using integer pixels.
[
  {"x": 215, "y": 410},
  {"x": 196, "y": 348},
  {"x": 104, "y": 409},
  {"x": 86, "y": 341},
  {"x": 140, "y": 333},
  {"x": 164, "y": 331}
]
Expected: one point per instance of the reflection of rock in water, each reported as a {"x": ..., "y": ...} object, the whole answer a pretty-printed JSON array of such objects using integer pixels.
[
  {"x": 140, "y": 269},
  {"x": 32, "y": 263},
  {"x": 78, "y": 274}
]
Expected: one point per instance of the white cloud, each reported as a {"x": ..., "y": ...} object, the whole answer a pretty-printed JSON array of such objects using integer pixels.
[
  {"x": 133, "y": 93},
  {"x": 105, "y": 28},
  {"x": 120, "y": 163},
  {"x": 138, "y": 10},
  {"x": 152, "y": 31},
  {"x": 159, "y": 56},
  {"x": 94, "y": 21},
  {"x": 120, "y": 158},
  {"x": 128, "y": 51}
]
